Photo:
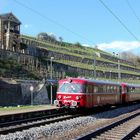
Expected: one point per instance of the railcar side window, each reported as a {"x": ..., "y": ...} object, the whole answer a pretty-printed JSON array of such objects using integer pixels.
[
  {"x": 108, "y": 89},
  {"x": 118, "y": 89},
  {"x": 89, "y": 89},
  {"x": 101, "y": 89},
  {"x": 104, "y": 89},
  {"x": 112, "y": 89},
  {"x": 95, "y": 89},
  {"x": 131, "y": 89},
  {"x": 137, "y": 90},
  {"x": 115, "y": 89}
]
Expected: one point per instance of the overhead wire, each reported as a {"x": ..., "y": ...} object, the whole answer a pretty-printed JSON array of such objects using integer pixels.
[
  {"x": 69, "y": 30},
  {"x": 53, "y": 21},
  {"x": 120, "y": 21},
  {"x": 133, "y": 11}
]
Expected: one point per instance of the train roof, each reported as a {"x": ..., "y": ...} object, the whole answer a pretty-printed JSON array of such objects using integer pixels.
[
  {"x": 91, "y": 81},
  {"x": 101, "y": 82},
  {"x": 131, "y": 85}
]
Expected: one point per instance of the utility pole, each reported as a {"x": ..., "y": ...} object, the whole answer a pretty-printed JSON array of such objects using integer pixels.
[
  {"x": 94, "y": 65},
  {"x": 51, "y": 79},
  {"x": 119, "y": 72},
  {"x": 119, "y": 66}
]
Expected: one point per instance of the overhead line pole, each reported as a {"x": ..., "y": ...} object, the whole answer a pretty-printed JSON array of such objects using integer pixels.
[
  {"x": 119, "y": 70},
  {"x": 51, "y": 82},
  {"x": 94, "y": 66}
]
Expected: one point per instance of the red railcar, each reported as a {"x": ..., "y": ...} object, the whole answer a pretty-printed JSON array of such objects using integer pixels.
[
  {"x": 78, "y": 93},
  {"x": 130, "y": 92},
  {"x": 85, "y": 93}
]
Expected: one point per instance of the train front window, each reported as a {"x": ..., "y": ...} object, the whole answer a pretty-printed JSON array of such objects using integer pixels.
[{"x": 71, "y": 88}]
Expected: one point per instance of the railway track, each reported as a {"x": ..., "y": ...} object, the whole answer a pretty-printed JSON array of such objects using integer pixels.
[
  {"x": 124, "y": 129},
  {"x": 26, "y": 123},
  {"x": 19, "y": 125},
  {"x": 11, "y": 127},
  {"x": 133, "y": 135}
]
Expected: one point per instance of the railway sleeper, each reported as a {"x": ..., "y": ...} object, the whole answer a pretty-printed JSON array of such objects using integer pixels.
[
  {"x": 136, "y": 138},
  {"x": 133, "y": 132},
  {"x": 105, "y": 138},
  {"x": 110, "y": 136},
  {"x": 119, "y": 130}
]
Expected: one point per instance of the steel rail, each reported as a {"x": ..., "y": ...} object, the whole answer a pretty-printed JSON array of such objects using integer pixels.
[
  {"x": 131, "y": 134},
  {"x": 95, "y": 133},
  {"x": 26, "y": 125}
]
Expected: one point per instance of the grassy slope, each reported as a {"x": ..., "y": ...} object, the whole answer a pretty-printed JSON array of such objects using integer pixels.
[{"x": 83, "y": 52}]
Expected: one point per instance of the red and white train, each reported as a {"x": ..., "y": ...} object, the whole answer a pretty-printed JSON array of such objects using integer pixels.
[{"x": 85, "y": 93}]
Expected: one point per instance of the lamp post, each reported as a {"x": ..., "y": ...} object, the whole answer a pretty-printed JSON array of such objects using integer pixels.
[
  {"x": 119, "y": 67},
  {"x": 31, "y": 89},
  {"x": 51, "y": 79}
]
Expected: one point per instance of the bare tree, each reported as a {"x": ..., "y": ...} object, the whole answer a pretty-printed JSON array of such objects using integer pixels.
[
  {"x": 60, "y": 39},
  {"x": 78, "y": 45},
  {"x": 42, "y": 36},
  {"x": 129, "y": 56},
  {"x": 47, "y": 37}
]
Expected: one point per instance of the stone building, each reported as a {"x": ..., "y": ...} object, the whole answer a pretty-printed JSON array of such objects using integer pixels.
[{"x": 9, "y": 32}]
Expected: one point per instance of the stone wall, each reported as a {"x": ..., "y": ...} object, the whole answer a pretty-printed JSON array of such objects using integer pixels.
[
  {"x": 13, "y": 94},
  {"x": 40, "y": 93},
  {"x": 10, "y": 94}
]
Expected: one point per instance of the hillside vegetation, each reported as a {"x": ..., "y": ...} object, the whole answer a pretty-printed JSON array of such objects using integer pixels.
[
  {"x": 73, "y": 55},
  {"x": 82, "y": 51},
  {"x": 105, "y": 61}
]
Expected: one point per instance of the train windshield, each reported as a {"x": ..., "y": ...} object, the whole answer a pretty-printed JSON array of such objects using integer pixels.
[{"x": 71, "y": 88}]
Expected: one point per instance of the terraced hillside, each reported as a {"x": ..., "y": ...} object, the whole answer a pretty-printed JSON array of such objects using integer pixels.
[
  {"x": 80, "y": 60},
  {"x": 69, "y": 60},
  {"x": 11, "y": 69}
]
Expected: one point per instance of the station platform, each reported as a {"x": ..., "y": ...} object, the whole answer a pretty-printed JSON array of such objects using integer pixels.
[{"x": 24, "y": 109}]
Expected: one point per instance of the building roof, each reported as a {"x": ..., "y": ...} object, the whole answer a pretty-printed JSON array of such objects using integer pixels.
[{"x": 10, "y": 17}]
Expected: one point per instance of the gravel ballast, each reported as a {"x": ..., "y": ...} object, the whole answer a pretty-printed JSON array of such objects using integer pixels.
[{"x": 60, "y": 128}]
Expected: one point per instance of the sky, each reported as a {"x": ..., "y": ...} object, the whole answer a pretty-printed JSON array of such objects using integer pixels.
[{"x": 112, "y": 25}]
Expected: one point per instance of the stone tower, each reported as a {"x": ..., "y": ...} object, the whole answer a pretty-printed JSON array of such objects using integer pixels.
[{"x": 9, "y": 32}]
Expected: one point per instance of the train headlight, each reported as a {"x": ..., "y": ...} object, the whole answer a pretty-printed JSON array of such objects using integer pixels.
[
  {"x": 59, "y": 96},
  {"x": 74, "y": 103},
  {"x": 77, "y": 97},
  {"x": 56, "y": 102}
]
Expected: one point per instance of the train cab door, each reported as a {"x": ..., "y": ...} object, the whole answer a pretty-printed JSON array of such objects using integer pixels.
[
  {"x": 89, "y": 99},
  {"x": 123, "y": 92}
]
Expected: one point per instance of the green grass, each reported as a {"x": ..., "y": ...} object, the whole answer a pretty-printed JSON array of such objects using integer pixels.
[
  {"x": 87, "y": 52},
  {"x": 71, "y": 48},
  {"x": 131, "y": 81},
  {"x": 91, "y": 67},
  {"x": 82, "y": 53},
  {"x": 12, "y": 108},
  {"x": 16, "y": 107},
  {"x": 12, "y": 67}
]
